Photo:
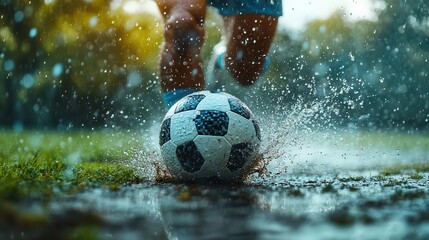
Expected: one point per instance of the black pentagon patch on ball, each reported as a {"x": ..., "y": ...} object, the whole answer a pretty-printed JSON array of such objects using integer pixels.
[
  {"x": 189, "y": 103},
  {"x": 189, "y": 157},
  {"x": 257, "y": 130},
  {"x": 238, "y": 107},
  {"x": 240, "y": 153},
  {"x": 164, "y": 134},
  {"x": 212, "y": 122}
]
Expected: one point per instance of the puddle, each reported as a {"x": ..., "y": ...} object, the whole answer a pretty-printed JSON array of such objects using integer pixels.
[{"x": 293, "y": 207}]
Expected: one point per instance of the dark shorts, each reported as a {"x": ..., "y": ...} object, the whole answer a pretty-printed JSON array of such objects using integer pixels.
[{"x": 237, "y": 7}]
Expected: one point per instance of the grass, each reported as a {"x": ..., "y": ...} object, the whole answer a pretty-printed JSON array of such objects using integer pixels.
[
  {"x": 401, "y": 168},
  {"x": 398, "y": 140},
  {"x": 38, "y": 165}
]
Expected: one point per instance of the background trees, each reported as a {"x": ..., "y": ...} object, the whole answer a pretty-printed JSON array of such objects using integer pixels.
[
  {"x": 87, "y": 63},
  {"x": 382, "y": 66},
  {"x": 72, "y": 63}
]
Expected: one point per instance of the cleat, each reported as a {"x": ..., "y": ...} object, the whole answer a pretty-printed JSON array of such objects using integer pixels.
[{"x": 216, "y": 70}]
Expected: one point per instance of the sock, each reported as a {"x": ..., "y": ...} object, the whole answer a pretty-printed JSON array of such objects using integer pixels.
[{"x": 171, "y": 97}]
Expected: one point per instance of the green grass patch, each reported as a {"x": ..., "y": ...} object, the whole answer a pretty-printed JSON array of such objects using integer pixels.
[
  {"x": 416, "y": 176},
  {"x": 38, "y": 165},
  {"x": 400, "y": 168},
  {"x": 72, "y": 146},
  {"x": 399, "y": 140},
  {"x": 352, "y": 179},
  {"x": 105, "y": 173}
]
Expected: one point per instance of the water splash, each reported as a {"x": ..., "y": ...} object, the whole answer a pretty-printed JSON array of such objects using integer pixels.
[
  {"x": 286, "y": 131},
  {"x": 147, "y": 162},
  {"x": 281, "y": 134}
]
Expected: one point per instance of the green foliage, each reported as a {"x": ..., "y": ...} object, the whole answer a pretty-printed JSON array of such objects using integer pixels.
[
  {"x": 42, "y": 166},
  {"x": 379, "y": 67},
  {"x": 38, "y": 165},
  {"x": 71, "y": 61},
  {"x": 86, "y": 233},
  {"x": 92, "y": 64},
  {"x": 106, "y": 173},
  {"x": 399, "y": 140},
  {"x": 416, "y": 176},
  {"x": 417, "y": 168}
]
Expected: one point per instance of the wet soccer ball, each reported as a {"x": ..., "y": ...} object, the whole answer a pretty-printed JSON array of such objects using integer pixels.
[{"x": 209, "y": 137}]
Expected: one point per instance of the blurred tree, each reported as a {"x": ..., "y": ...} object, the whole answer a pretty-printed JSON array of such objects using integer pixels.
[
  {"x": 400, "y": 57},
  {"x": 91, "y": 63},
  {"x": 374, "y": 72},
  {"x": 325, "y": 64},
  {"x": 71, "y": 58},
  {"x": 21, "y": 54}
]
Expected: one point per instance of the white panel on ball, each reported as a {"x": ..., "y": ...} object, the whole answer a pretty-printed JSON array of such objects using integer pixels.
[
  {"x": 240, "y": 129},
  {"x": 214, "y": 101},
  {"x": 183, "y": 127},
  {"x": 168, "y": 152},
  {"x": 216, "y": 151}
]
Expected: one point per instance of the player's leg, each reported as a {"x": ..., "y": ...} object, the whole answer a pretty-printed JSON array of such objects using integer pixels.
[
  {"x": 248, "y": 39},
  {"x": 181, "y": 65}
]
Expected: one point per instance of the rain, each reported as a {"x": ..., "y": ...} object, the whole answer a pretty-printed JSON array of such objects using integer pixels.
[{"x": 343, "y": 110}]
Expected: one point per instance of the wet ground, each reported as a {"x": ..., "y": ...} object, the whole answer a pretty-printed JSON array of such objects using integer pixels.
[
  {"x": 294, "y": 207},
  {"x": 315, "y": 191}
]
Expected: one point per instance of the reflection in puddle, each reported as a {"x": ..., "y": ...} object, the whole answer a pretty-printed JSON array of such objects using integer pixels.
[{"x": 297, "y": 207}]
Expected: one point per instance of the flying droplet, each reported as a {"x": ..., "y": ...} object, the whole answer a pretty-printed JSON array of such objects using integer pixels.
[
  {"x": 32, "y": 33},
  {"x": 57, "y": 70}
]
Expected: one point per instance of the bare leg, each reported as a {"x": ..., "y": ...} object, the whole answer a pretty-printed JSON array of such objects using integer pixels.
[
  {"x": 248, "y": 38},
  {"x": 181, "y": 64}
]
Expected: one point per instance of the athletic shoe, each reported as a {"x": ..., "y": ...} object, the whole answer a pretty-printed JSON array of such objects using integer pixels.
[
  {"x": 216, "y": 70},
  {"x": 217, "y": 77}
]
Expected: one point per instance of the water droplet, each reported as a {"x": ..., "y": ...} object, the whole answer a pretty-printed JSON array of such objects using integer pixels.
[
  {"x": 57, "y": 70},
  {"x": 134, "y": 79},
  {"x": 351, "y": 56},
  {"x": 240, "y": 55},
  {"x": 32, "y": 33},
  {"x": 93, "y": 21},
  {"x": 19, "y": 16},
  {"x": 27, "y": 81},
  {"x": 9, "y": 65},
  {"x": 194, "y": 71}
]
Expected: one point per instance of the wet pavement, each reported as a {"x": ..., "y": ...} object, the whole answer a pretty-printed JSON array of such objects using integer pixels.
[{"x": 294, "y": 207}]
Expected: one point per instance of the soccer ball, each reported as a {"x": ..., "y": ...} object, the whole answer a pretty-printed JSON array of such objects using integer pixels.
[{"x": 209, "y": 137}]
